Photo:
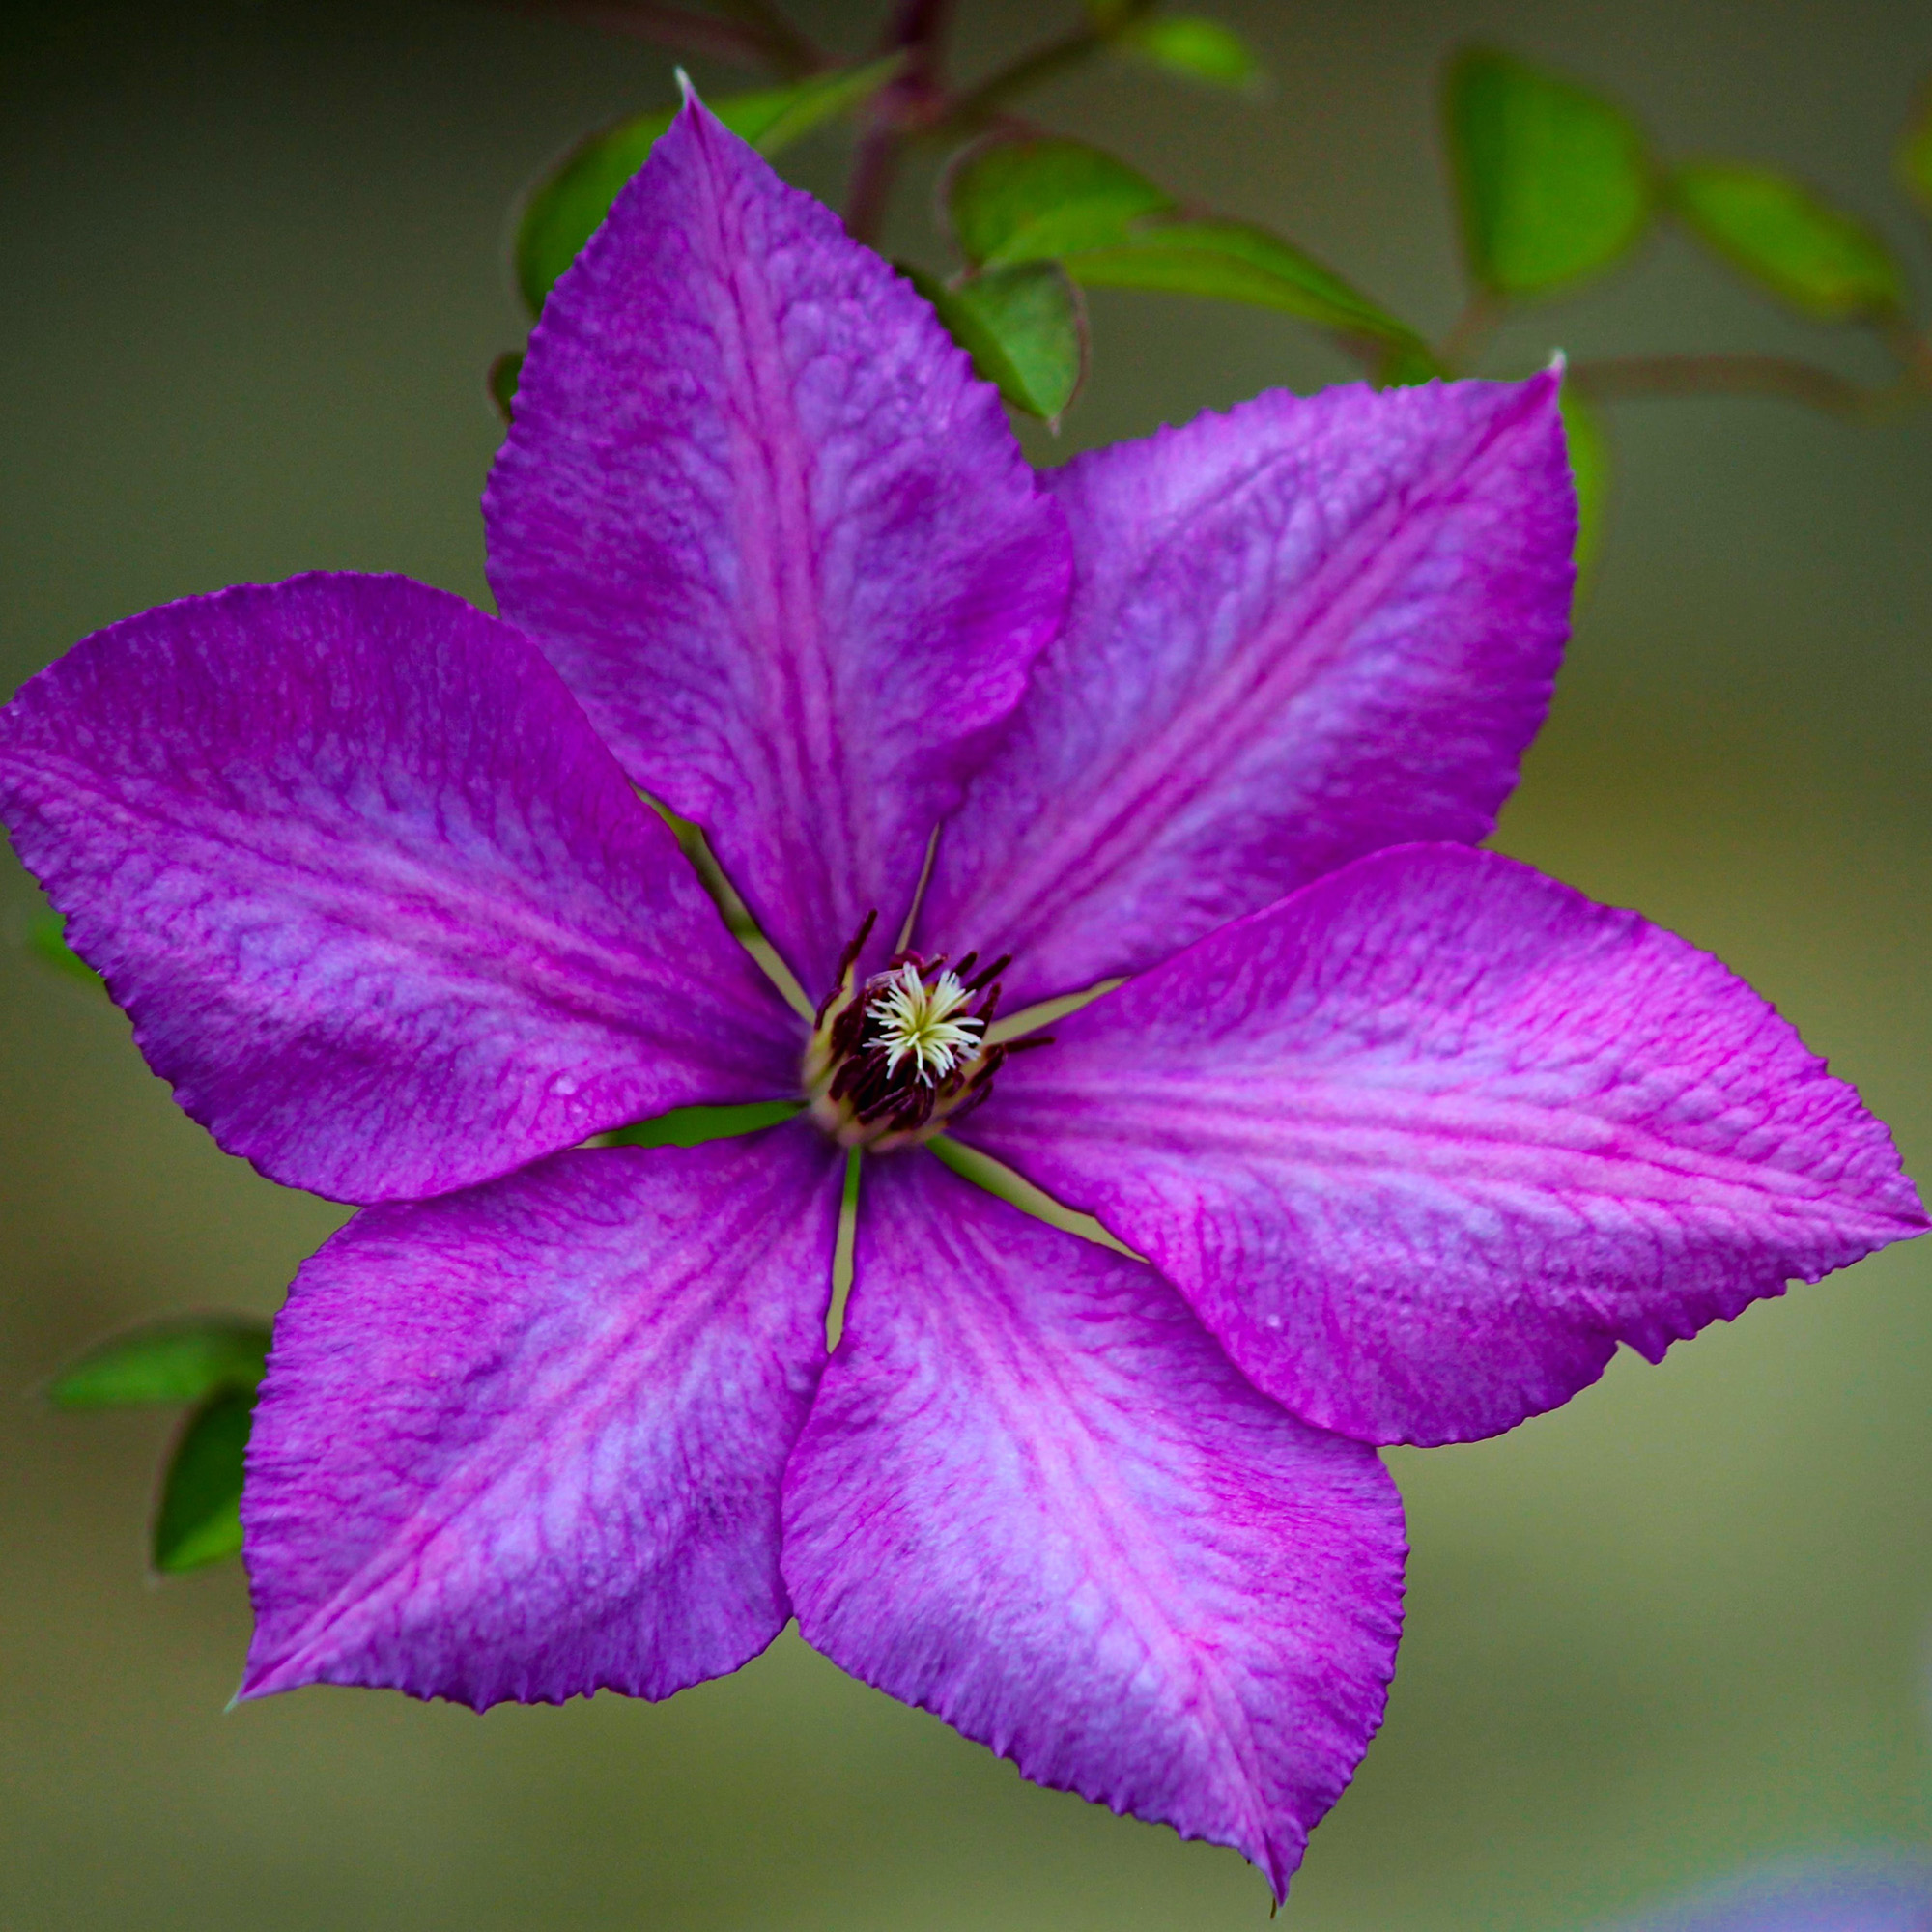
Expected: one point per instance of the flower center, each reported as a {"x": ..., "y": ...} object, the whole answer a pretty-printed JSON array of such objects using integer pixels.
[{"x": 894, "y": 1057}]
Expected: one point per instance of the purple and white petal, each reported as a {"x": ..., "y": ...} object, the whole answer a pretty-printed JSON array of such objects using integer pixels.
[
  {"x": 381, "y": 905},
  {"x": 1301, "y": 631},
  {"x": 527, "y": 1441},
  {"x": 1425, "y": 1142},
  {"x": 775, "y": 534},
  {"x": 1035, "y": 1499}
]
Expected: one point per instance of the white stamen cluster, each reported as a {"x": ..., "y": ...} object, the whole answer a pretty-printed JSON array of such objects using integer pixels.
[{"x": 909, "y": 1017}]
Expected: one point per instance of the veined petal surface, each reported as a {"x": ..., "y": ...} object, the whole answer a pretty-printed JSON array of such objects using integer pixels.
[
  {"x": 1301, "y": 631},
  {"x": 1035, "y": 1499},
  {"x": 1425, "y": 1142},
  {"x": 380, "y": 904},
  {"x": 527, "y": 1441},
  {"x": 774, "y": 533}
]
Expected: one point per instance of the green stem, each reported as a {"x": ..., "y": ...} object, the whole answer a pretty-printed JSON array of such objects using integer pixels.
[
  {"x": 793, "y": 53},
  {"x": 671, "y": 27},
  {"x": 971, "y": 109},
  {"x": 1629, "y": 378},
  {"x": 918, "y": 30},
  {"x": 1469, "y": 335},
  {"x": 1908, "y": 342}
]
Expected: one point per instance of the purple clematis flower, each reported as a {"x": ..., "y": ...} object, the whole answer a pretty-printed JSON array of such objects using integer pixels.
[{"x": 1409, "y": 1137}]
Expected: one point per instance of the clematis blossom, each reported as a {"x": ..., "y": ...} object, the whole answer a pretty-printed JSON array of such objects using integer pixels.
[{"x": 1396, "y": 1139}]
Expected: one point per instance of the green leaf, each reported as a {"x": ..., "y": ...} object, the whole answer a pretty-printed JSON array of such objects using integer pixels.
[
  {"x": 1193, "y": 47},
  {"x": 1040, "y": 200},
  {"x": 47, "y": 942},
  {"x": 1046, "y": 199},
  {"x": 504, "y": 374},
  {"x": 1590, "y": 468},
  {"x": 1407, "y": 364},
  {"x": 1024, "y": 327},
  {"x": 198, "y": 1520},
  {"x": 565, "y": 209},
  {"x": 182, "y": 1359},
  {"x": 1914, "y": 153},
  {"x": 1815, "y": 256},
  {"x": 692, "y": 1127},
  {"x": 1553, "y": 181},
  {"x": 1235, "y": 262}
]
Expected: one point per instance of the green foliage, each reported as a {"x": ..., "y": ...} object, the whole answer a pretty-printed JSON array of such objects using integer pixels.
[
  {"x": 505, "y": 375},
  {"x": 692, "y": 1127},
  {"x": 1590, "y": 469},
  {"x": 1914, "y": 153},
  {"x": 1024, "y": 327},
  {"x": 1555, "y": 183},
  {"x": 566, "y": 208},
  {"x": 1407, "y": 364},
  {"x": 1195, "y": 48},
  {"x": 1237, "y": 262},
  {"x": 184, "y": 1359},
  {"x": 1046, "y": 199},
  {"x": 1815, "y": 256},
  {"x": 46, "y": 941},
  {"x": 214, "y": 1361},
  {"x": 198, "y": 1520}
]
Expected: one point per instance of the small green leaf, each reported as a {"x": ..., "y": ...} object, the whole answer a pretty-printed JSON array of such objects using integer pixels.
[
  {"x": 1817, "y": 257},
  {"x": 1553, "y": 181},
  {"x": 47, "y": 942},
  {"x": 1235, "y": 262},
  {"x": 1193, "y": 47},
  {"x": 198, "y": 1520},
  {"x": 1024, "y": 328},
  {"x": 692, "y": 1127},
  {"x": 1406, "y": 363},
  {"x": 1590, "y": 468},
  {"x": 182, "y": 1360},
  {"x": 1034, "y": 200},
  {"x": 566, "y": 208},
  {"x": 1915, "y": 151},
  {"x": 504, "y": 374},
  {"x": 1040, "y": 200}
]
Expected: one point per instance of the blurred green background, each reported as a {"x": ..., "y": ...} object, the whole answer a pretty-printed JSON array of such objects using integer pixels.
[{"x": 254, "y": 274}]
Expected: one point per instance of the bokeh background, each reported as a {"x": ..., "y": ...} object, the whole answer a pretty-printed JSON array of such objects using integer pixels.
[{"x": 254, "y": 269}]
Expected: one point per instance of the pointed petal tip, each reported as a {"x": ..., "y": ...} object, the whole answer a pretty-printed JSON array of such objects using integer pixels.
[
  {"x": 1661, "y": 1144},
  {"x": 265, "y": 1676},
  {"x": 1232, "y": 1706},
  {"x": 719, "y": 309},
  {"x": 524, "y": 1443},
  {"x": 1395, "y": 669},
  {"x": 1547, "y": 384},
  {"x": 195, "y": 788}
]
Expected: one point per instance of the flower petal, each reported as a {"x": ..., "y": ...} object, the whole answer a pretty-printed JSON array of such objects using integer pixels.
[
  {"x": 527, "y": 1441},
  {"x": 1300, "y": 632},
  {"x": 1425, "y": 1142},
  {"x": 382, "y": 907},
  {"x": 779, "y": 538},
  {"x": 1035, "y": 1499}
]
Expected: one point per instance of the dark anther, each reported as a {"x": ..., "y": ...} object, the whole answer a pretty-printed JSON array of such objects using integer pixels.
[
  {"x": 1027, "y": 1044},
  {"x": 847, "y": 959},
  {"x": 991, "y": 973}
]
